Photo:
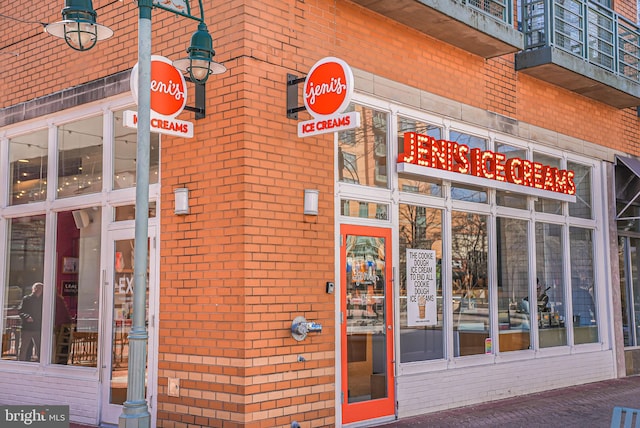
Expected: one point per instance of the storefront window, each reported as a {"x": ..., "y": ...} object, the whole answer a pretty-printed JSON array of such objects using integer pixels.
[
  {"x": 23, "y": 290},
  {"x": 361, "y": 209},
  {"x": 420, "y": 229},
  {"x": 125, "y": 152},
  {"x": 543, "y": 205},
  {"x": 75, "y": 327},
  {"x": 514, "y": 308},
  {"x": 509, "y": 199},
  {"x": 28, "y": 168},
  {"x": 463, "y": 192},
  {"x": 128, "y": 212},
  {"x": 550, "y": 285},
  {"x": 630, "y": 289},
  {"x": 582, "y": 207},
  {"x": 80, "y": 157},
  {"x": 424, "y": 186},
  {"x": 471, "y": 308},
  {"x": 583, "y": 298},
  {"x": 628, "y": 221},
  {"x": 362, "y": 152}
]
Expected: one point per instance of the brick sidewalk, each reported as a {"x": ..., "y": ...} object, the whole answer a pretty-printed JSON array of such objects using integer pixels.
[{"x": 582, "y": 406}]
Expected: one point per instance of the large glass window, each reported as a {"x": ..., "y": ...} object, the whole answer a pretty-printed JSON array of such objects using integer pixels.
[
  {"x": 28, "y": 168},
  {"x": 545, "y": 205},
  {"x": 630, "y": 289},
  {"x": 420, "y": 228},
  {"x": 353, "y": 208},
  {"x": 582, "y": 208},
  {"x": 550, "y": 285},
  {"x": 514, "y": 306},
  {"x": 585, "y": 322},
  {"x": 363, "y": 152},
  {"x": 462, "y": 192},
  {"x": 537, "y": 243},
  {"x": 471, "y": 296},
  {"x": 75, "y": 327},
  {"x": 424, "y": 186},
  {"x": 21, "y": 338},
  {"x": 510, "y": 199},
  {"x": 125, "y": 152},
  {"x": 80, "y": 157}
]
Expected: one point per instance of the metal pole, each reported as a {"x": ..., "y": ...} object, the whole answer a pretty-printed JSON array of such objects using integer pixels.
[{"x": 135, "y": 412}]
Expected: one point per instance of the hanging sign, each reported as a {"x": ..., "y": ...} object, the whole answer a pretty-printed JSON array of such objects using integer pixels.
[
  {"x": 421, "y": 288},
  {"x": 327, "y": 93},
  {"x": 168, "y": 99}
]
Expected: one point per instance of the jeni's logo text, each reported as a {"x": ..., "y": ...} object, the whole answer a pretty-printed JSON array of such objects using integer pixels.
[
  {"x": 327, "y": 93},
  {"x": 328, "y": 87},
  {"x": 168, "y": 89},
  {"x": 423, "y": 150}
]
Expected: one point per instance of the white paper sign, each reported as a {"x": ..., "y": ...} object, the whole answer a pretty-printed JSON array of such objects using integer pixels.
[{"x": 422, "y": 308}]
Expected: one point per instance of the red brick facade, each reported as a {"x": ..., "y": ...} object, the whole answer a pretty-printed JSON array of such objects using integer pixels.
[{"x": 246, "y": 261}]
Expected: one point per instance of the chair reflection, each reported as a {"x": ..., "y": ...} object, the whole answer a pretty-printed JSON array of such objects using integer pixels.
[{"x": 77, "y": 348}]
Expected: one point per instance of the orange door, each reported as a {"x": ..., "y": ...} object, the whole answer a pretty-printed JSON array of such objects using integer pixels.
[{"x": 367, "y": 327}]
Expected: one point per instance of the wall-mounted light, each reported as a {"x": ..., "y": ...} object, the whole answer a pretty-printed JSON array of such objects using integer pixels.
[
  {"x": 181, "y": 201},
  {"x": 310, "y": 202}
]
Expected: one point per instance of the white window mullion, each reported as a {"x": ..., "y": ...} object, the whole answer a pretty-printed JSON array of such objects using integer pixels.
[{"x": 52, "y": 164}]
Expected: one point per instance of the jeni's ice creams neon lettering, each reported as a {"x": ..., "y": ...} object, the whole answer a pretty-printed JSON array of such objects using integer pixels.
[{"x": 424, "y": 150}]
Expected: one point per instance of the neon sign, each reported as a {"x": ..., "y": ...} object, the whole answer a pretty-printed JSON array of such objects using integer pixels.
[{"x": 426, "y": 151}]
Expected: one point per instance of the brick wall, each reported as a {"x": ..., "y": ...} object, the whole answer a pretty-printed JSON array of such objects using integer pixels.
[{"x": 246, "y": 261}]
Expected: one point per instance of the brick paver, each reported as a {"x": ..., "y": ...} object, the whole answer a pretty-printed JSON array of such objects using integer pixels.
[{"x": 581, "y": 406}]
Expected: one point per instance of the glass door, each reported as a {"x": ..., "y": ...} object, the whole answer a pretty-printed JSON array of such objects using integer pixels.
[
  {"x": 630, "y": 289},
  {"x": 118, "y": 298},
  {"x": 367, "y": 330}
]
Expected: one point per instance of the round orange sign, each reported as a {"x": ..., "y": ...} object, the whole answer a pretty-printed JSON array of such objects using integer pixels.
[
  {"x": 328, "y": 87},
  {"x": 168, "y": 87}
]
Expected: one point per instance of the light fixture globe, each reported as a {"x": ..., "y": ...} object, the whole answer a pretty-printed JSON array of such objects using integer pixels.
[
  {"x": 78, "y": 26},
  {"x": 200, "y": 63}
]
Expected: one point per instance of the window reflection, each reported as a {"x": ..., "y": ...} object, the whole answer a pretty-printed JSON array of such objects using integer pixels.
[
  {"x": 464, "y": 192},
  {"x": 543, "y": 205},
  {"x": 361, "y": 209},
  {"x": 424, "y": 186},
  {"x": 629, "y": 257},
  {"x": 365, "y": 264},
  {"x": 509, "y": 199},
  {"x": 583, "y": 298},
  {"x": 420, "y": 228},
  {"x": 514, "y": 308},
  {"x": 550, "y": 285},
  {"x": 80, "y": 157},
  {"x": 470, "y": 288},
  {"x": 128, "y": 212},
  {"x": 75, "y": 329},
  {"x": 125, "y": 152},
  {"x": 362, "y": 152},
  {"x": 26, "y": 268},
  {"x": 28, "y": 168},
  {"x": 582, "y": 207}
]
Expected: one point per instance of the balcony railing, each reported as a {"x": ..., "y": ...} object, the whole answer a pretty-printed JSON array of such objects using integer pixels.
[
  {"x": 496, "y": 9},
  {"x": 482, "y": 27},
  {"x": 586, "y": 30}
]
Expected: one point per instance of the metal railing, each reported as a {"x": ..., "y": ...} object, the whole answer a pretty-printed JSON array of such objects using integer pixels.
[
  {"x": 585, "y": 29},
  {"x": 501, "y": 10}
]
